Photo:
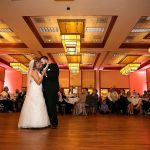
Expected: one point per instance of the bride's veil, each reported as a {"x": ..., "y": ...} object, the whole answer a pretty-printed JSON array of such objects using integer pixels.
[{"x": 31, "y": 64}]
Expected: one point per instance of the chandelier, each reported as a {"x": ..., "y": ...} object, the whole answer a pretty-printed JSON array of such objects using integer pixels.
[
  {"x": 74, "y": 58},
  {"x": 19, "y": 67},
  {"x": 71, "y": 43},
  {"x": 74, "y": 67},
  {"x": 129, "y": 68}
]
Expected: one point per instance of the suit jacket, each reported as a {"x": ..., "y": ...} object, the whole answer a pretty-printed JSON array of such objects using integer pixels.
[{"x": 51, "y": 81}]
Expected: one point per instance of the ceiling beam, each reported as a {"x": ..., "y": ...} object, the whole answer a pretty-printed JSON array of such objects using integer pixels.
[{"x": 4, "y": 62}]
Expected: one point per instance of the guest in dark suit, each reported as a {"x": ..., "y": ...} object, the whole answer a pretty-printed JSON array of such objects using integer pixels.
[
  {"x": 20, "y": 99},
  {"x": 50, "y": 88}
]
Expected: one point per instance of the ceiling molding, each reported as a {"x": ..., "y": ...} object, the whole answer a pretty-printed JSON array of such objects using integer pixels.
[
  {"x": 40, "y": 53},
  {"x": 144, "y": 64},
  {"x": 135, "y": 45},
  {"x": 147, "y": 36},
  {"x": 97, "y": 57},
  {"x": 112, "y": 68},
  {"x": 51, "y": 57},
  {"x": 13, "y": 45},
  {"x": 4, "y": 62},
  {"x": 59, "y": 45},
  {"x": 104, "y": 59},
  {"x": 128, "y": 59}
]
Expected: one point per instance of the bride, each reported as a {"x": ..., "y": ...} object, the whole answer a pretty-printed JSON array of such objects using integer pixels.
[{"x": 34, "y": 112}]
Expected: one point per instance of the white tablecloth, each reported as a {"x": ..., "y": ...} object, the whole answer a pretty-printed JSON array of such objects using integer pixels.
[
  {"x": 134, "y": 100},
  {"x": 72, "y": 100}
]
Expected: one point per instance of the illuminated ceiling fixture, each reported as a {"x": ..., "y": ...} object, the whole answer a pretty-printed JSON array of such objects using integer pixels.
[
  {"x": 74, "y": 58},
  {"x": 19, "y": 67},
  {"x": 88, "y": 54},
  {"x": 48, "y": 29},
  {"x": 149, "y": 50},
  {"x": 97, "y": 29},
  {"x": 129, "y": 68},
  {"x": 5, "y": 30},
  {"x": 59, "y": 54},
  {"x": 71, "y": 50},
  {"x": 87, "y": 63},
  {"x": 141, "y": 30},
  {"x": 71, "y": 43},
  {"x": 74, "y": 67}
]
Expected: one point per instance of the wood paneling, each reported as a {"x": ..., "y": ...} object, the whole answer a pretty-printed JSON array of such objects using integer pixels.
[
  {"x": 75, "y": 79},
  {"x": 24, "y": 80},
  {"x": 113, "y": 78},
  {"x": 2, "y": 73},
  {"x": 64, "y": 78},
  {"x": 72, "y": 26},
  {"x": 88, "y": 79}
]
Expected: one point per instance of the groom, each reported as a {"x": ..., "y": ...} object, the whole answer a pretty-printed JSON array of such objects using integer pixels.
[{"x": 50, "y": 88}]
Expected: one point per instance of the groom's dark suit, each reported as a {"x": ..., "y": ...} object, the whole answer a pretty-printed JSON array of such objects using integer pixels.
[{"x": 50, "y": 89}]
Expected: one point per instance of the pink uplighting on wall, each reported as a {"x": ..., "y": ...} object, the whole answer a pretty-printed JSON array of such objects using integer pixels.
[
  {"x": 138, "y": 81},
  {"x": 2, "y": 74},
  {"x": 148, "y": 78},
  {"x": 13, "y": 79}
]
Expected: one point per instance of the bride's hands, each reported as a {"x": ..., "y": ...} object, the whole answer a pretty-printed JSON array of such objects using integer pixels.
[
  {"x": 44, "y": 72},
  {"x": 59, "y": 93}
]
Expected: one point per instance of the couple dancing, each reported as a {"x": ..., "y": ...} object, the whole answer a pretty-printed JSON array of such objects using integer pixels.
[{"x": 39, "y": 108}]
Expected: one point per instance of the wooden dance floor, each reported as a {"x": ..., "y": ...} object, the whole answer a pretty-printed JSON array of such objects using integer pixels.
[{"x": 100, "y": 132}]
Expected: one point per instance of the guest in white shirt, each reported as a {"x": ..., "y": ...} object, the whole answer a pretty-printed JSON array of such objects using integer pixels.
[{"x": 136, "y": 102}]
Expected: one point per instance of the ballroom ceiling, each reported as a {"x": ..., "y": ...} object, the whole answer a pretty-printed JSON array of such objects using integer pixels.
[{"x": 112, "y": 33}]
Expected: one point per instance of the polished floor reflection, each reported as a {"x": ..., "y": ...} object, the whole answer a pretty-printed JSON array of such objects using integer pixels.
[{"x": 109, "y": 132}]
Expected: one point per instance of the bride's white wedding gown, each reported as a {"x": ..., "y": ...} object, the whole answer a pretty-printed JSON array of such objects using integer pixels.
[{"x": 34, "y": 112}]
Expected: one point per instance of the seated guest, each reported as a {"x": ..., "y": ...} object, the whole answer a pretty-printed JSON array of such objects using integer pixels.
[
  {"x": 63, "y": 105},
  {"x": 2, "y": 104},
  {"x": 16, "y": 99},
  {"x": 104, "y": 107},
  {"x": 16, "y": 93},
  {"x": 22, "y": 94},
  {"x": 20, "y": 97},
  {"x": 5, "y": 99},
  {"x": 146, "y": 102},
  {"x": 80, "y": 105},
  {"x": 62, "y": 102},
  {"x": 130, "y": 105},
  {"x": 136, "y": 103},
  {"x": 5, "y": 93},
  {"x": 134, "y": 94},
  {"x": 112, "y": 99}
]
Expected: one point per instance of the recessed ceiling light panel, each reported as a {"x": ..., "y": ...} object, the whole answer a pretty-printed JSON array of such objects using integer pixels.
[
  {"x": 5, "y": 30},
  {"x": 141, "y": 30},
  {"x": 48, "y": 29},
  {"x": 91, "y": 29}
]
